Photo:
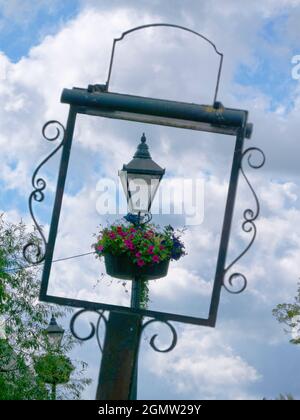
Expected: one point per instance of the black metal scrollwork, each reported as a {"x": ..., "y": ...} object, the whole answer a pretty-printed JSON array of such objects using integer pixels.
[
  {"x": 153, "y": 338},
  {"x": 248, "y": 225},
  {"x": 95, "y": 330},
  {"x": 39, "y": 184}
]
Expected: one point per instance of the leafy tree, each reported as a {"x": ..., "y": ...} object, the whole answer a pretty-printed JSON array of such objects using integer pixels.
[
  {"x": 23, "y": 343},
  {"x": 289, "y": 315},
  {"x": 282, "y": 397},
  {"x": 287, "y": 397}
]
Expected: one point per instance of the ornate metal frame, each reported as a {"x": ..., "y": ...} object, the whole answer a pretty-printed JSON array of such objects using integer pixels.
[
  {"x": 45, "y": 252},
  {"x": 97, "y": 101}
]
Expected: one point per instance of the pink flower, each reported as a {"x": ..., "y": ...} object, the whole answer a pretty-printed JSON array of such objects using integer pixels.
[
  {"x": 112, "y": 235},
  {"x": 121, "y": 232},
  {"x": 155, "y": 258},
  {"x": 140, "y": 263},
  {"x": 138, "y": 255},
  {"x": 100, "y": 248},
  {"x": 150, "y": 249},
  {"x": 161, "y": 247},
  {"x": 129, "y": 244}
]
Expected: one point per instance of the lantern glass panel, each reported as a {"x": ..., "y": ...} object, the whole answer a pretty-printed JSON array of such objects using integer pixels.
[{"x": 140, "y": 190}]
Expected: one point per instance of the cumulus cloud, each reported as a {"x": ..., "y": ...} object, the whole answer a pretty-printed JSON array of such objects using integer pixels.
[{"x": 205, "y": 367}]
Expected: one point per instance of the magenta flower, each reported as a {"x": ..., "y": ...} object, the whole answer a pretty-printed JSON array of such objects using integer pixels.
[
  {"x": 129, "y": 244},
  {"x": 112, "y": 235},
  {"x": 155, "y": 258},
  {"x": 100, "y": 248},
  {"x": 150, "y": 249},
  {"x": 140, "y": 263},
  {"x": 138, "y": 255}
]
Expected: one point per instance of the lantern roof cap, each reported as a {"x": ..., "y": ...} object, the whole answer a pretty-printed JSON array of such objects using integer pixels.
[
  {"x": 142, "y": 151},
  {"x": 53, "y": 327},
  {"x": 142, "y": 162}
]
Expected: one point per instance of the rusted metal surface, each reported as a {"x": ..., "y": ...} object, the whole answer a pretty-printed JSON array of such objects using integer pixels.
[{"x": 156, "y": 111}]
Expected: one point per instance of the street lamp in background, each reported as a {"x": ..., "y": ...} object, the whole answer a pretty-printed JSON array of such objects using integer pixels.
[
  {"x": 54, "y": 367},
  {"x": 54, "y": 333}
]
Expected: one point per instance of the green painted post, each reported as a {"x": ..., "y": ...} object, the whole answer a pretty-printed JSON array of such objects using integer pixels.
[
  {"x": 135, "y": 303},
  {"x": 120, "y": 351}
]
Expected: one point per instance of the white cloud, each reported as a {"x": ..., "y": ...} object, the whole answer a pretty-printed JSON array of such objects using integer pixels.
[
  {"x": 180, "y": 282},
  {"x": 203, "y": 366}
]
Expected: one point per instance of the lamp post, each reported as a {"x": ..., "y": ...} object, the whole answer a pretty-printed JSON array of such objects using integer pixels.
[
  {"x": 55, "y": 335},
  {"x": 140, "y": 178}
]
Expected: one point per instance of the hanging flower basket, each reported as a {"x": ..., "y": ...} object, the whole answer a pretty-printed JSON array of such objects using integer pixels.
[
  {"x": 144, "y": 251},
  {"x": 121, "y": 267}
]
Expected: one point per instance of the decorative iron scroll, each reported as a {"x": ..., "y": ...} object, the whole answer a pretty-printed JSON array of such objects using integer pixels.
[
  {"x": 248, "y": 225},
  {"x": 153, "y": 338},
  {"x": 39, "y": 185},
  {"x": 95, "y": 330}
]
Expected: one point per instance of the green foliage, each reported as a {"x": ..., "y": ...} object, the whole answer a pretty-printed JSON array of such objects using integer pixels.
[
  {"x": 144, "y": 295},
  {"x": 25, "y": 319},
  {"x": 4, "y": 277},
  {"x": 17, "y": 382},
  {"x": 289, "y": 315},
  {"x": 285, "y": 397},
  {"x": 53, "y": 368}
]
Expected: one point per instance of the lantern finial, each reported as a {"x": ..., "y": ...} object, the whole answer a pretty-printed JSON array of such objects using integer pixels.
[{"x": 142, "y": 149}]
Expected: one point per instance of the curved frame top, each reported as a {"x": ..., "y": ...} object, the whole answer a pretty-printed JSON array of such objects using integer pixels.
[{"x": 169, "y": 25}]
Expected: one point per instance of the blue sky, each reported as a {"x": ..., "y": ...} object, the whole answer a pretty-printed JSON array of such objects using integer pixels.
[
  {"x": 271, "y": 73},
  {"x": 48, "y": 45},
  {"x": 20, "y": 33}
]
